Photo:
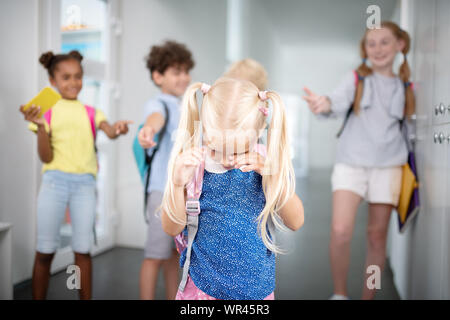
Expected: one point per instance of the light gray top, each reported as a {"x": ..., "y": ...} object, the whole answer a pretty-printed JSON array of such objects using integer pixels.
[
  {"x": 373, "y": 138},
  {"x": 158, "y": 175}
]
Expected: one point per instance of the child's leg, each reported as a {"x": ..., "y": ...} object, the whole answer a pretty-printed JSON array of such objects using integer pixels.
[
  {"x": 171, "y": 269},
  {"x": 149, "y": 277},
  {"x": 82, "y": 206},
  {"x": 84, "y": 262},
  {"x": 345, "y": 206},
  {"x": 158, "y": 248},
  {"x": 41, "y": 275},
  {"x": 377, "y": 229},
  {"x": 51, "y": 207}
]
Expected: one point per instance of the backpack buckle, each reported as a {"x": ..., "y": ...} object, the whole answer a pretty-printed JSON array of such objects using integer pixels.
[{"x": 193, "y": 207}]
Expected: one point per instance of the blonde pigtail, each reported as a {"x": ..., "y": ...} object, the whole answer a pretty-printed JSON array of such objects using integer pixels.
[
  {"x": 278, "y": 176},
  {"x": 186, "y": 137}
]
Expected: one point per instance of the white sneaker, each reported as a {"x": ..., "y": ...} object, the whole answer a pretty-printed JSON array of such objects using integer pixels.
[{"x": 338, "y": 297}]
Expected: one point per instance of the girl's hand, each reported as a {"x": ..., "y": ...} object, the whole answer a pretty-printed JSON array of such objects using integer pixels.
[
  {"x": 317, "y": 104},
  {"x": 121, "y": 126},
  {"x": 32, "y": 115},
  {"x": 185, "y": 165},
  {"x": 145, "y": 137},
  {"x": 252, "y": 160}
]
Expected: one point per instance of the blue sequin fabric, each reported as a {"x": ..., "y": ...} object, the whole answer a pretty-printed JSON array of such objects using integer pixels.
[{"x": 229, "y": 259}]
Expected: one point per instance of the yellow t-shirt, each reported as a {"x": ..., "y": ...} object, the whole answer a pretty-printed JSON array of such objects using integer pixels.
[{"x": 71, "y": 138}]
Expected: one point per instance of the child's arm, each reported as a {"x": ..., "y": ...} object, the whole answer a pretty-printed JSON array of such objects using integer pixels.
[
  {"x": 152, "y": 126},
  {"x": 170, "y": 227},
  {"x": 317, "y": 104},
  {"x": 45, "y": 150},
  {"x": 185, "y": 165},
  {"x": 292, "y": 213},
  {"x": 115, "y": 130},
  {"x": 338, "y": 101}
]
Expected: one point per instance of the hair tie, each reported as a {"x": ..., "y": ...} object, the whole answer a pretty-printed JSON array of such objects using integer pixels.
[
  {"x": 263, "y": 95},
  {"x": 364, "y": 60},
  {"x": 264, "y": 110},
  {"x": 205, "y": 88}
]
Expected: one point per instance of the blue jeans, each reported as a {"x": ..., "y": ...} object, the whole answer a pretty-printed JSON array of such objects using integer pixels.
[{"x": 59, "y": 190}]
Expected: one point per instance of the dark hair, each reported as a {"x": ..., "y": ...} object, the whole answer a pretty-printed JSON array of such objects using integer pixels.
[
  {"x": 169, "y": 54},
  {"x": 50, "y": 60}
]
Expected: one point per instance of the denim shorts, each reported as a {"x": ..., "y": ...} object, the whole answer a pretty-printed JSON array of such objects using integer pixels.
[{"x": 58, "y": 191}]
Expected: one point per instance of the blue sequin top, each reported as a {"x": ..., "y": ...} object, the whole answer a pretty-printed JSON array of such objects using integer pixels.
[{"x": 229, "y": 259}]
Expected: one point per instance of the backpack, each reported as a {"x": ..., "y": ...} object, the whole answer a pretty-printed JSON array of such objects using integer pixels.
[
  {"x": 91, "y": 115},
  {"x": 143, "y": 160},
  {"x": 350, "y": 110}
]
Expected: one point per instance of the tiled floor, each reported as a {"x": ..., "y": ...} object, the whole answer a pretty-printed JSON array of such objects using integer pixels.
[{"x": 303, "y": 273}]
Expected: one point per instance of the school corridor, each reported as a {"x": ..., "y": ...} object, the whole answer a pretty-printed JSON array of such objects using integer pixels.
[{"x": 300, "y": 43}]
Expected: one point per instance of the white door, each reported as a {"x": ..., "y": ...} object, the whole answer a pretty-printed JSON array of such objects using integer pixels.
[{"x": 89, "y": 26}]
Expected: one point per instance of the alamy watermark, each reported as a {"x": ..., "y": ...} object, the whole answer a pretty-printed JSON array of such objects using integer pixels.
[
  {"x": 374, "y": 280},
  {"x": 74, "y": 280},
  {"x": 374, "y": 20}
]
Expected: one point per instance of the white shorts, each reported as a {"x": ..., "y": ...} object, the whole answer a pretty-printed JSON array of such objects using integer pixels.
[{"x": 375, "y": 185}]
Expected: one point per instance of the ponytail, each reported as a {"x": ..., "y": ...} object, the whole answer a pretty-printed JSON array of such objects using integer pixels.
[
  {"x": 187, "y": 135},
  {"x": 278, "y": 176},
  {"x": 405, "y": 74}
]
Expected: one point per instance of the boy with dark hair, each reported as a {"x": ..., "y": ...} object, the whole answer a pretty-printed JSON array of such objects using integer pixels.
[{"x": 169, "y": 65}]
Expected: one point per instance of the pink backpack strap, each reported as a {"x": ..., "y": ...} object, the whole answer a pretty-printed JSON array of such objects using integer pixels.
[
  {"x": 356, "y": 77},
  {"x": 194, "y": 190},
  {"x": 48, "y": 116},
  {"x": 91, "y": 114}
]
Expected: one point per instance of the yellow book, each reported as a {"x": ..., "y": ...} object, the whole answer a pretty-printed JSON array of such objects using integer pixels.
[
  {"x": 45, "y": 99},
  {"x": 409, "y": 183}
]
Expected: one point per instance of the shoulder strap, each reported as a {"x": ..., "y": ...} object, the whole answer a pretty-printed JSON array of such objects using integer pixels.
[
  {"x": 91, "y": 115},
  {"x": 149, "y": 159},
  {"x": 48, "y": 116},
  {"x": 350, "y": 110},
  {"x": 194, "y": 190}
]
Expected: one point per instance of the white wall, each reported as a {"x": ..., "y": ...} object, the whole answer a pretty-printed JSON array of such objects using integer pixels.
[
  {"x": 201, "y": 25},
  {"x": 19, "y": 167}
]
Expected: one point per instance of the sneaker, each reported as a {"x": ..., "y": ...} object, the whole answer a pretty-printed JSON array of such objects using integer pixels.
[{"x": 338, "y": 297}]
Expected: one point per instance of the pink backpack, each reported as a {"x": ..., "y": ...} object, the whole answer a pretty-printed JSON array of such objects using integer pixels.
[{"x": 91, "y": 115}]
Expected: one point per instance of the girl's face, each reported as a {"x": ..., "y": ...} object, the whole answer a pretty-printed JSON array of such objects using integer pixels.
[
  {"x": 68, "y": 79},
  {"x": 225, "y": 150},
  {"x": 381, "y": 47},
  {"x": 173, "y": 81}
]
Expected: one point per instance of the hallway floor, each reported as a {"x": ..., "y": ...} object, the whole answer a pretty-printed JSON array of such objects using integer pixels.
[{"x": 304, "y": 273}]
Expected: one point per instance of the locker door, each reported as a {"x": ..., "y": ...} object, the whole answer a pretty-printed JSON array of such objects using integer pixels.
[
  {"x": 442, "y": 98},
  {"x": 426, "y": 241}
]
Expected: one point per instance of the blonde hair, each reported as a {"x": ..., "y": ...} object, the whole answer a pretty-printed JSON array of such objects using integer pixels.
[
  {"x": 249, "y": 69},
  {"x": 404, "y": 72},
  {"x": 234, "y": 104}
]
